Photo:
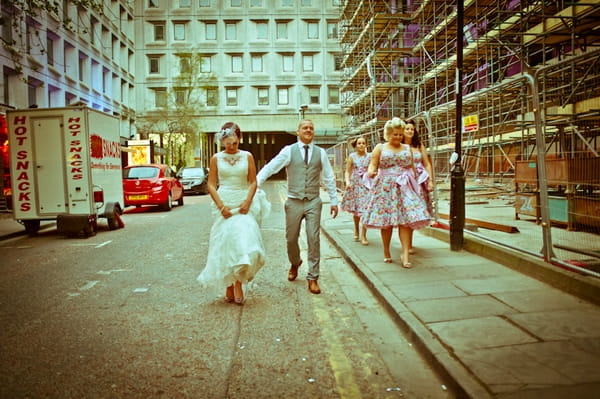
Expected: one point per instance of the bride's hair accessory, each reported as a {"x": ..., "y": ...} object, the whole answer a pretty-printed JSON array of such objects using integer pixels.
[{"x": 229, "y": 129}]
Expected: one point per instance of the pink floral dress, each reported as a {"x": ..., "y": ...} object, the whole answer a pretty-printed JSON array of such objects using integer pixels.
[
  {"x": 423, "y": 179},
  {"x": 355, "y": 197},
  {"x": 395, "y": 197}
]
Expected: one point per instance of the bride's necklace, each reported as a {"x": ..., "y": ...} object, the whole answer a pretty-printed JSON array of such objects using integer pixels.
[{"x": 232, "y": 159}]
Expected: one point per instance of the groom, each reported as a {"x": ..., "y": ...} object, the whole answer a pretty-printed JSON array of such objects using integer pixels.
[{"x": 305, "y": 165}]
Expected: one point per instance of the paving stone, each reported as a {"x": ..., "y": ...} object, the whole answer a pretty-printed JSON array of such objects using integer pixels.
[
  {"x": 540, "y": 300},
  {"x": 484, "y": 332},
  {"x": 507, "y": 283},
  {"x": 467, "y": 307},
  {"x": 412, "y": 292},
  {"x": 561, "y": 324}
]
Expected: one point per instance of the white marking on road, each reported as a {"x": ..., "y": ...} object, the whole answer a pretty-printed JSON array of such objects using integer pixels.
[
  {"x": 107, "y": 272},
  {"x": 144, "y": 289},
  {"x": 103, "y": 244},
  {"x": 90, "y": 284}
]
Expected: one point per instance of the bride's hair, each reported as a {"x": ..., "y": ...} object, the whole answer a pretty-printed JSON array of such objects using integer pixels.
[{"x": 228, "y": 130}]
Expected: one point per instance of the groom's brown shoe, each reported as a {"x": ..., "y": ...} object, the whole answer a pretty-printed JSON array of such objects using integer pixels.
[
  {"x": 313, "y": 287},
  {"x": 293, "y": 273}
]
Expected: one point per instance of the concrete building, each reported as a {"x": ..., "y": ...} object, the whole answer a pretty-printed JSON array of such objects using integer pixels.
[
  {"x": 260, "y": 63},
  {"x": 56, "y": 57}
]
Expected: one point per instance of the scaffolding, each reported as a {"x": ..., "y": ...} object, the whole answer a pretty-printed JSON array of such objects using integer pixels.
[{"x": 400, "y": 60}]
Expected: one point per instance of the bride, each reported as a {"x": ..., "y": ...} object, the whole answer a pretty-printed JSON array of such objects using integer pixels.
[{"x": 235, "y": 252}]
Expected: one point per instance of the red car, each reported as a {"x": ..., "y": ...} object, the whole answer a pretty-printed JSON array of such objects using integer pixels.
[{"x": 151, "y": 184}]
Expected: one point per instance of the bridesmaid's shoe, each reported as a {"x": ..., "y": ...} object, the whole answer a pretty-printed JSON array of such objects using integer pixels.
[
  {"x": 411, "y": 251},
  {"x": 387, "y": 260},
  {"x": 364, "y": 241},
  {"x": 356, "y": 238},
  {"x": 407, "y": 265}
]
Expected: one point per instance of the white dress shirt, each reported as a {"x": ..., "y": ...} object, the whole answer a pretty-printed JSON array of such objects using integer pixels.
[{"x": 283, "y": 159}]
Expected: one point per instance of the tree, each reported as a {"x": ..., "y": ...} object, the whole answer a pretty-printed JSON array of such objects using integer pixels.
[{"x": 176, "y": 121}]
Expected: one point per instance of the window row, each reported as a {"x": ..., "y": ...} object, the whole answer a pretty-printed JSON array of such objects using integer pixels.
[
  {"x": 210, "y": 96},
  {"x": 205, "y": 63},
  {"x": 238, "y": 3},
  {"x": 258, "y": 29}
]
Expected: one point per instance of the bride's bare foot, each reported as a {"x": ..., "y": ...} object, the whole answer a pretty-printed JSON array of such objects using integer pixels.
[
  {"x": 229, "y": 297},
  {"x": 238, "y": 293}
]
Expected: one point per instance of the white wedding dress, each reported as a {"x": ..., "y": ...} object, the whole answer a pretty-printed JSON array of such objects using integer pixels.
[{"x": 235, "y": 250}]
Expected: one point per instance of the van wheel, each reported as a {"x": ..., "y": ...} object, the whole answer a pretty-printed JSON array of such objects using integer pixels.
[
  {"x": 31, "y": 227},
  {"x": 91, "y": 229}
]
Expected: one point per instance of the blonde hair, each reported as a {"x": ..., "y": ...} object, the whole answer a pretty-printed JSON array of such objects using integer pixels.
[{"x": 394, "y": 123}]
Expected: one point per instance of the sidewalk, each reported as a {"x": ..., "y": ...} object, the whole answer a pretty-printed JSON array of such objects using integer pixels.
[{"x": 494, "y": 331}]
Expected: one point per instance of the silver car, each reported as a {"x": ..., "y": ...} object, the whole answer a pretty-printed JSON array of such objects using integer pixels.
[{"x": 194, "y": 180}]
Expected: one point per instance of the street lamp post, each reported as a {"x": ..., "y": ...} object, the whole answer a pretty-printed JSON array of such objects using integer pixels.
[
  {"x": 457, "y": 179},
  {"x": 302, "y": 110}
]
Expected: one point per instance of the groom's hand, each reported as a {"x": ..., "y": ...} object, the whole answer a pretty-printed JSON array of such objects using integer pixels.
[{"x": 334, "y": 211}]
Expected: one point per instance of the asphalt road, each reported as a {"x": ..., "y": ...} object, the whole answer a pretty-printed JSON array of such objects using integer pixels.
[{"x": 119, "y": 315}]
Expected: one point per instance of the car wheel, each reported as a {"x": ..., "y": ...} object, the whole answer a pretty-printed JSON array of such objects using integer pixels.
[
  {"x": 168, "y": 204},
  {"x": 180, "y": 200}
]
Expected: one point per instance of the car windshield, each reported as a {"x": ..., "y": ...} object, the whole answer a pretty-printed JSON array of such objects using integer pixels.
[
  {"x": 141, "y": 172},
  {"x": 193, "y": 172}
]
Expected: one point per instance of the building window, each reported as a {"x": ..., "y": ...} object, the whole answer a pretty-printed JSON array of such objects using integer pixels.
[
  {"x": 334, "y": 95},
  {"x": 152, "y": 3},
  {"x": 204, "y": 3},
  {"x": 313, "y": 30},
  {"x": 236, "y": 3},
  {"x": 50, "y": 50},
  {"x": 7, "y": 35},
  {"x": 212, "y": 96},
  {"x": 205, "y": 64},
  {"x": 257, "y": 63},
  {"x": 256, "y": 3},
  {"x": 308, "y": 64},
  {"x": 160, "y": 97},
  {"x": 180, "y": 96},
  {"x": 282, "y": 30},
  {"x": 230, "y": 31},
  {"x": 288, "y": 63},
  {"x": 231, "y": 93},
  {"x": 179, "y": 31},
  {"x": 185, "y": 3},
  {"x": 305, "y": 3},
  {"x": 236, "y": 64},
  {"x": 263, "y": 96},
  {"x": 210, "y": 30},
  {"x": 337, "y": 62},
  {"x": 332, "y": 31},
  {"x": 159, "y": 31},
  {"x": 185, "y": 65},
  {"x": 83, "y": 73},
  {"x": 283, "y": 96},
  {"x": 154, "y": 64},
  {"x": 262, "y": 31},
  {"x": 287, "y": 3},
  {"x": 313, "y": 95}
]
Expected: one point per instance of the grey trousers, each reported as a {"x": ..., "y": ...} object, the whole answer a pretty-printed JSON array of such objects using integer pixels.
[{"x": 310, "y": 211}]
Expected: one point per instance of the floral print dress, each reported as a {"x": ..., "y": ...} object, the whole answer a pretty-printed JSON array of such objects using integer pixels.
[
  {"x": 423, "y": 179},
  {"x": 395, "y": 197},
  {"x": 355, "y": 197}
]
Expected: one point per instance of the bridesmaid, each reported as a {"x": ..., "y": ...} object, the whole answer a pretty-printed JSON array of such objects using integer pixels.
[
  {"x": 355, "y": 196},
  {"x": 394, "y": 200},
  {"x": 422, "y": 166}
]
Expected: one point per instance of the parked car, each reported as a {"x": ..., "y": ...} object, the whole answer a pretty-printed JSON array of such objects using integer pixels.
[
  {"x": 194, "y": 180},
  {"x": 151, "y": 184}
]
